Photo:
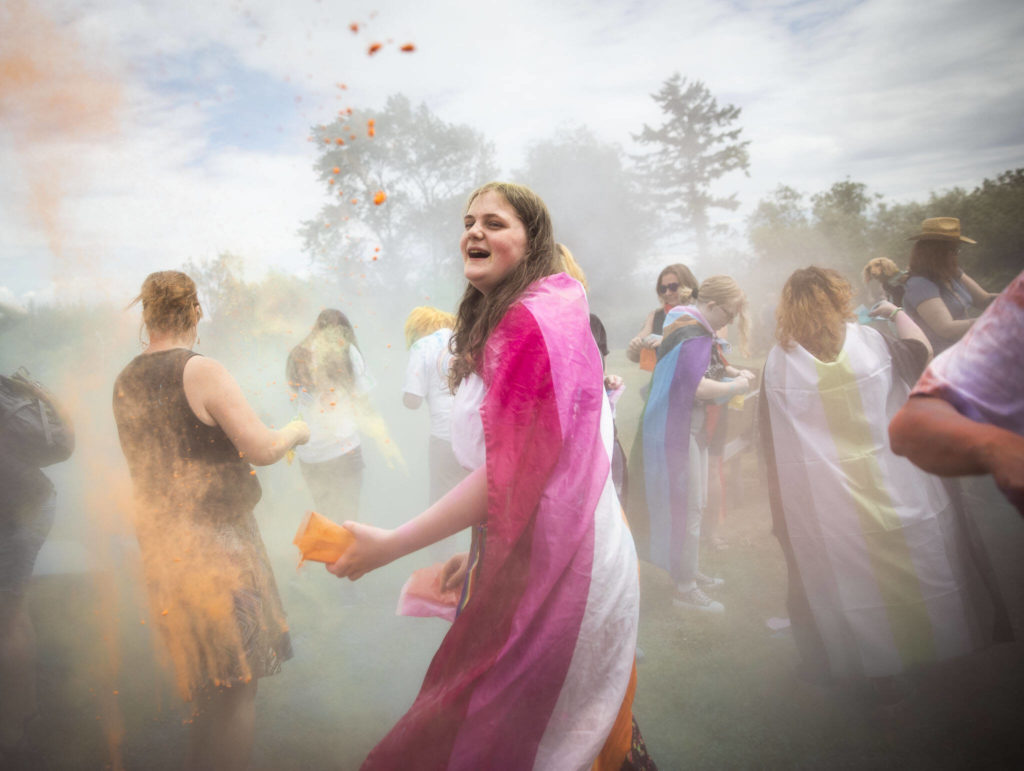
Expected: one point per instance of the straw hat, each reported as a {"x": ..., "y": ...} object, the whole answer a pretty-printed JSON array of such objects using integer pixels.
[{"x": 941, "y": 229}]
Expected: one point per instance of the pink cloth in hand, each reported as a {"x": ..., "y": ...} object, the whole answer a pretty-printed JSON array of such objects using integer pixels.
[{"x": 422, "y": 596}]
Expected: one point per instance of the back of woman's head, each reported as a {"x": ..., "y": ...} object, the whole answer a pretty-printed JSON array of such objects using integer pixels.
[
  {"x": 322, "y": 359},
  {"x": 815, "y": 305},
  {"x": 170, "y": 303},
  {"x": 935, "y": 260},
  {"x": 331, "y": 317},
  {"x": 425, "y": 320},
  {"x": 479, "y": 314},
  {"x": 687, "y": 281}
]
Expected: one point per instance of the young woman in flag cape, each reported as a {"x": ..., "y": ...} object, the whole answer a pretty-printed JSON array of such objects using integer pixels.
[{"x": 537, "y": 670}]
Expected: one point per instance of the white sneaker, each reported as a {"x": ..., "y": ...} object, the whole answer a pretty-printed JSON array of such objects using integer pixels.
[
  {"x": 707, "y": 582},
  {"x": 695, "y": 599}
]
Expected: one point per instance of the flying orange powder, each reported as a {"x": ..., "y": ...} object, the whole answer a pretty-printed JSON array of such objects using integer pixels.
[{"x": 52, "y": 99}]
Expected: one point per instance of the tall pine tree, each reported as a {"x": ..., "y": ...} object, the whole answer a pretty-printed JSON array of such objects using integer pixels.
[{"x": 695, "y": 145}]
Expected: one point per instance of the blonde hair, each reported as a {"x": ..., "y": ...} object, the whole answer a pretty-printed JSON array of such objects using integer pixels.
[
  {"x": 170, "y": 302},
  {"x": 723, "y": 290},
  {"x": 570, "y": 266},
  {"x": 424, "y": 320},
  {"x": 814, "y": 307}
]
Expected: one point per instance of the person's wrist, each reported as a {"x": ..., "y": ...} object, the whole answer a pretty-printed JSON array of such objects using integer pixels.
[{"x": 895, "y": 310}]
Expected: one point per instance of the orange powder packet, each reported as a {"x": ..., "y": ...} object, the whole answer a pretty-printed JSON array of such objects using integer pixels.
[
  {"x": 321, "y": 540},
  {"x": 648, "y": 358}
]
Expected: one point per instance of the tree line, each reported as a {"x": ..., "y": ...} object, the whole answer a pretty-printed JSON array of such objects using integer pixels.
[{"x": 612, "y": 208}]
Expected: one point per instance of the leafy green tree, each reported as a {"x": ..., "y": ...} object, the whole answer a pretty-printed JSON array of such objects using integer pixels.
[
  {"x": 696, "y": 145},
  {"x": 424, "y": 166},
  {"x": 846, "y": 225}
]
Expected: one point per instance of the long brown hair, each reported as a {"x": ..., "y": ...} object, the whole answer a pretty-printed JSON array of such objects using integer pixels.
[
  {"x": 170, "y": 302},
  {"x": 480, "y": 313},
  {"x": 935, "y": 260},
  {"x": 322, "y": 360},
  {"x": 814, "y": 307}
]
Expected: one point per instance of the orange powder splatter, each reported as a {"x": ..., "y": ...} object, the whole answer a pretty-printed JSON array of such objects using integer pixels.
[
  {"x": 330, "y": 181},
  {"x": 338, "y": 141},
  {"x": 354, "y": 201},
  {"x": 335, "y": 170},
  {"x": 354, "y": 26},
  {"x": 371, "y": 130},
  {"x": 379, "y": 197},
  {"x": 408, "y": 48},
  {"x": 374, "y": 48}
]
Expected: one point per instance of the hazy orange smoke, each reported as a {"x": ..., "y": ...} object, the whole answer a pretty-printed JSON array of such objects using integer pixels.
[{"x": 52, "y": 102}]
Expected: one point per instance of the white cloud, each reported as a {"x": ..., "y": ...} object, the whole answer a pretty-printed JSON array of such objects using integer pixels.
[{"x": 907, "y": 97}]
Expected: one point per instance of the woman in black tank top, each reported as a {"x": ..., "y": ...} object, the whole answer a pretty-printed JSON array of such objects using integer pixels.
[
  {"x": 676, "y": 285},
  {"x": 189, "y": 437}
]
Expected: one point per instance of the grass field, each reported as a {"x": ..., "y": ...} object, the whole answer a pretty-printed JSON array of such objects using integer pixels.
[{"x": 714, "y": 692}]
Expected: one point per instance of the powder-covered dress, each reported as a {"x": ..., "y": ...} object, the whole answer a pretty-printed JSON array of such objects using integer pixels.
[
  {"x": 537, "y": 669},
  {"x": 210, "y": 585}
]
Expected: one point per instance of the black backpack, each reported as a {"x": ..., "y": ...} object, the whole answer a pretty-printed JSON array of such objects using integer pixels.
[{"x": 32, "y": 428}]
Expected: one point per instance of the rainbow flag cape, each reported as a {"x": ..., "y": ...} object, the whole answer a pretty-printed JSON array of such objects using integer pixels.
[
  {"x": 535, "y": 671},
  {"x": 891, "y": 571},
  {"x": 661, "y": 451}
]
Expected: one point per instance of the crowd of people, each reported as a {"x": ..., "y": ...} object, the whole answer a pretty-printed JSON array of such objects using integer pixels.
[{"x": 886, "y": 570}]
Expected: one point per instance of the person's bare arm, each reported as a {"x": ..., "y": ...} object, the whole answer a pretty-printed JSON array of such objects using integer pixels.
[
  {"x": 412, "y": 401},
  {"x": 937, "y": 316},
  {"x": 463, "y": 506},
  {"x": 935, "y": 437},
  {"x": 906, "y": 327},
  {"x": 637, "y": 343},
  {"x": 709, "y": 390},
  {"x": 979, "y": 297},
  {"x": 216, "y": 399}
]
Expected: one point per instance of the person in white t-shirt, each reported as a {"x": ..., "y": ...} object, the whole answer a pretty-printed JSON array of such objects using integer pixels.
[
  {"x": 329, "y": 380},
  {"x": 427, "y": 332}
]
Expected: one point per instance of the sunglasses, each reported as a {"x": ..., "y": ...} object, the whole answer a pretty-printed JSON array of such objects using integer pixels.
[{"x": 668, "y": 287}]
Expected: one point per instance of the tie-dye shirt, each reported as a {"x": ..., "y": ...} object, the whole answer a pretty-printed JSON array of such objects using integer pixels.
[{"x": 982, "y": 376}]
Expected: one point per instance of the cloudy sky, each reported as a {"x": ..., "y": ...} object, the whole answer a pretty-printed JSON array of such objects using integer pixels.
[{"x": 137, "y": 134}]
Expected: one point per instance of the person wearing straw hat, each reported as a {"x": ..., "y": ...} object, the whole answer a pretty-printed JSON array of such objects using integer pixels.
[{"x": 939, "y": 295}]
